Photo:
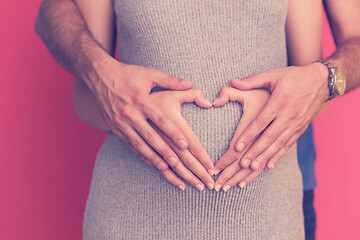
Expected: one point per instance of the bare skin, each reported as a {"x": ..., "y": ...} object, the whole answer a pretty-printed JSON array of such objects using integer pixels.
[
  {"x": 170, "y": 102},
  {"x": 297, "y": 93},
  {"x": 121, "y": 91},
  {"x": 304, "y": 47},
  {"x": 60, "y": 25}
]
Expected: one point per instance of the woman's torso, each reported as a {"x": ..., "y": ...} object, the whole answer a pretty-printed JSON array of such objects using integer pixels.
[{"x": 209, "y": 43}]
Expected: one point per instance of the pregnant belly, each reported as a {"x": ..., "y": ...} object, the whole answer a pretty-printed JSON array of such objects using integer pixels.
[{"x": 214, "y": 127}]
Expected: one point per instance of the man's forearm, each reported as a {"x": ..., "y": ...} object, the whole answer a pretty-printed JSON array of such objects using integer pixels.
[
  {"x": 62, "y": 28},
  {"x": 347, "y": 57}
]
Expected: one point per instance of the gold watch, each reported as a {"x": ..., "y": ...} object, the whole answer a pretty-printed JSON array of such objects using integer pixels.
[{"x": 337, "y": 82}]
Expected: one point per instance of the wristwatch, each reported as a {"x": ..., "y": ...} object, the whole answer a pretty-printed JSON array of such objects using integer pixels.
[{"x": 337, "y": 82}]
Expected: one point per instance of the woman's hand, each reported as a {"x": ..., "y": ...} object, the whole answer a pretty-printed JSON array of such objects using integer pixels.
[
  {"x": 232, "y": 173},
  {"x": 195, "y": 164}
]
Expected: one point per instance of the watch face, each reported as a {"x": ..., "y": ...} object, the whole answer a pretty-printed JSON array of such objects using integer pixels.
[{"x": 340, "y": 81}]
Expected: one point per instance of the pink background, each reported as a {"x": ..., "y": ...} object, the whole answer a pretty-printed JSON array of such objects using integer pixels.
[{"x": 47, "y": 153}]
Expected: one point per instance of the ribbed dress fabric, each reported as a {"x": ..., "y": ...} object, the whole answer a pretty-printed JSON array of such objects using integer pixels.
[{"x": 208, "y": 42}]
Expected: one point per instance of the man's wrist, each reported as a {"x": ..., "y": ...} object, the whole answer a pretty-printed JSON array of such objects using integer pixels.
[
  {"x": 336, "y": 79},
  {"x": 92, "y": 61},
  {"x": 324, "y": 78}
]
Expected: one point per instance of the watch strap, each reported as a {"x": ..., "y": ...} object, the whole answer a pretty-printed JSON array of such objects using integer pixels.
[{"x": 331, "y": 79}]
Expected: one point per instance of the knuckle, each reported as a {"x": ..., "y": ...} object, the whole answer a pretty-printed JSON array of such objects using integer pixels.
[
  {"x": 139, "y": 100},
  {"x": 262, "y": 159},
  {"x": 270, "y": 137},
  {"x": 262, "y": 122},
  {"x": 148, "y": 134},
  {"x": 197, "y": 90},
  {"x": 126, "y": 111},
  {"x": 253, "y": 153},
  {"x": 153, "y": 157},
  {"x": 136, "y": 143},
  {"x": 225, "y": 90},
  {"x": 280, "y": 142},
  {"x": 194, "y": 149},
  {"x": 161, "y": 121},
  {"x": 117, "y": 122},
  {"x": 301, "y": 123},
  {"x": 188, "y": 163},
  {"x": 287, "y": 146}
]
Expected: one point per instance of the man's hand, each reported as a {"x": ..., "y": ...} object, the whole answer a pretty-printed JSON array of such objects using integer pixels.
[
  {"x": 194, "y": 162},
  {"x": 252, "y": 103},
  {"x": 297, "y": 94},
  {"x": 123, "y": 95}
]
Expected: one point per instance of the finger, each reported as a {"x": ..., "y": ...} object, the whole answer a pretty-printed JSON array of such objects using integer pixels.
[
  {"x": 226, "y": 174},
  {"x": 179, "y": 167},
  {"x": 232, "y": 155},
  {"x": 171, "y": 177},
  {"x": 232, "y": 94},
  {"x": 237, "y": 178},
  {"x": 196, "y": 148},
  {"x": 262, "y": 121},
  {"x": 249, "y": 178},
  {"x": 267, "y": 148},
  {"x": 229, "y": 94},
  {"x": 225, "y": 160},
  {"x": 194, "y": 145},
  {"x": 263, "y": 79},
  {"x": 273, "y": 161},
  {"x": 162, "y": 166},
  {"x": 156, "y": 142},
  {"x": 136, "y": 142},
  {"x": 163, "y": 122},
  {"x": 192, "y": 164},
  {"x": 188, "y": 176},
  {"x": 168, "y": 81},
  {"x": 194, "y": 95},
  {"x": 196, "y": 168},
  {"x": 127, "y": 142}
]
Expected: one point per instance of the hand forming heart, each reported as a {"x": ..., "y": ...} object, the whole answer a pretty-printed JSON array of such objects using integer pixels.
[{"x": 196, "y": 166}]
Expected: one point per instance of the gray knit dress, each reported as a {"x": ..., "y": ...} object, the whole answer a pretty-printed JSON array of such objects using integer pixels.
[{"x": 207, "y": 42}]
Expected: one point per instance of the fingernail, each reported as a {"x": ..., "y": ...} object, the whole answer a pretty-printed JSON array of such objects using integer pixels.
[
  {"x": 226, "y": 188},
  {"x": 210, "y": 186},
  {"x": 172, "y": 161},
  {"x": 216, "y": 172},
  {"x": 211, "y": 172},
  {"x": 271, "y": 166},
  {"x": 240, "y": 147},
  {"x": 182, "y": 187},
  {"x": 255, "y": 165},
  {"x": 217, "y": 187},
  {"x": 247, "y": 162},
  {"x": 215, "y": 101},
  {"x": 200, "y": 187},
  {"x": 182, "y": 144},
  {"x": 186, "y": 83},
  {"x": 161, "y": 166},
  {"x": 242, "y": 184},
  {"x": 208, "y": 103}
]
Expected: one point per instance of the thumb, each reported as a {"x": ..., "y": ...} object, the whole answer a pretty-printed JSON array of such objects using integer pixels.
[
  {"x": 194, "y": 95},
  {"x": 228, "y": 94},
  {"x": 168, "y": 81},
  {"x": 255, "y": 81}
]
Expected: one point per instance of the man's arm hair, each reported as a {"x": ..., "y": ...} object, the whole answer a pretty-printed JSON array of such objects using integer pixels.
[
  {"x": 60, "y": 25},
  {"x": 344, "y": 19}
]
